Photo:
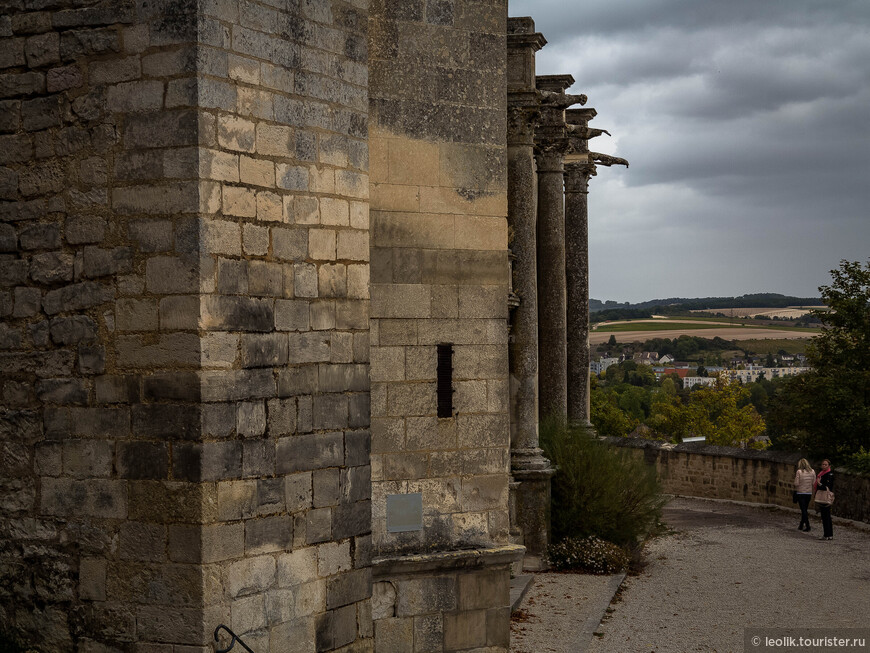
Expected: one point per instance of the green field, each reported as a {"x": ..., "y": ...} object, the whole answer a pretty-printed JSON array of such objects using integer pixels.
[
  {"x": 659, "y": 326},
  {"x": 772, "y": 346}
]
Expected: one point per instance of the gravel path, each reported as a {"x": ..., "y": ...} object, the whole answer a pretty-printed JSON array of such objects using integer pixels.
[
  {"x": 726, "y": 567},
  {"x": 730, "y": 567}
]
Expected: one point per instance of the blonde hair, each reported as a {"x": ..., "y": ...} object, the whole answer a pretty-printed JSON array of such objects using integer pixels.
[{"x": 804, "y": 464}]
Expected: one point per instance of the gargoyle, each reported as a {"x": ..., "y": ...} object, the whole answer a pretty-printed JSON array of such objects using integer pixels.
[
  {"x": 607, "y": 160},
  {"x": 591, "y": 132},
  {"x": 561, "y": 100}
]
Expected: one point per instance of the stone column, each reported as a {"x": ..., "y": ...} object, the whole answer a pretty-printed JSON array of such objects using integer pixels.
[
  {"x": 552, "y": 143},
  {"x": 577, "y": 176},
  {"x": 530, "y": 491}
]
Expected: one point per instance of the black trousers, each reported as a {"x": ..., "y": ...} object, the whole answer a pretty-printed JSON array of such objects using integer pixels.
[
  {"x": 828, "y": 527},
  {"x": 803, "y": 503}
]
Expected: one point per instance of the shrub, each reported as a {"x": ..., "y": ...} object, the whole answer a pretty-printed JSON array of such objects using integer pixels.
[
  {"x": 590, "y": 554},
  {"x": 859, "y": 462},
  {"x": 599, "y": 490}
]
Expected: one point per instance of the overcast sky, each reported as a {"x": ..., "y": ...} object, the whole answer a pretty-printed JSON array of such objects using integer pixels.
[{"x": 747, "y": 127}]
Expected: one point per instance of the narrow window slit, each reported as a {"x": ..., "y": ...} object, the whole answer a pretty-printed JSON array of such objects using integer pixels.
[{"x": 445, "y": 380}]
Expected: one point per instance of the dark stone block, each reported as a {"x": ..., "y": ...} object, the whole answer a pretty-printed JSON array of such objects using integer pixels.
[
  {"x": 62, "y": 391},
  {"x": 187, "y": 462},
  {"x": 143, "y": 460},
  {"x": 307, "y": 452},
  {"x": 352, "y": 519},
  {"x": 348, "y": 587},
  {"x": 440, "y": 12},
  {"x": 92, "y": 359},
  {"x": 73, "y": 330},
  {"x": 323, "y": 637},
  {"x": 268, "y": 534},
  {"x": 356, "y": 484},
  {"x": 166, "y": 421},
  {"x": 178, "y": 386}
]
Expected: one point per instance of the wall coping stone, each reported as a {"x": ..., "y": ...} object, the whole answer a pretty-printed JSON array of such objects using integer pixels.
[
  {"x": 707, "y": 449},
  {"x": 447, "y": 560}
]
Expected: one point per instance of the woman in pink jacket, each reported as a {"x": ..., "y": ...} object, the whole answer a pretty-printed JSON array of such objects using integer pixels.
[{"x": 803, "y": 486}]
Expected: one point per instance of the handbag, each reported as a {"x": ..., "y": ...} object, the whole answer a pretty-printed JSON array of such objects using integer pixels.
[{"x": 825, "y": 497}]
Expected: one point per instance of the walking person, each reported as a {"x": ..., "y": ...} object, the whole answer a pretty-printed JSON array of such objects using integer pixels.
[
  {"x": 823, "y": 492},
  {"x": 803, "y": 486}
]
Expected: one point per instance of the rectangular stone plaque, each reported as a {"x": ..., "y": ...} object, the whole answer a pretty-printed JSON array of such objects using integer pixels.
[{"x": 404, "y": 512}]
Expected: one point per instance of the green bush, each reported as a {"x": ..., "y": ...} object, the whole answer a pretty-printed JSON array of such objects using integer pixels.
[
  {"x": 599, "y": 490},
  {"x": 589, "y": 554},
  {"x": 859, "y": 462}
]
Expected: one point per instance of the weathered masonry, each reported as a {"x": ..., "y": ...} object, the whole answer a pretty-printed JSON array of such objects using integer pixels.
[{"x": 269, "y": 287}]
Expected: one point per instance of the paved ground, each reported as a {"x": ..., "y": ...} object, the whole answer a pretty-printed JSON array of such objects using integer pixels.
[{"x": 726, "y": 568}]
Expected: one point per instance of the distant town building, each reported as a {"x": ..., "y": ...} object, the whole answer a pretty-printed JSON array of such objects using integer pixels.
[
  {"x": 692, "y": 381},
  {"x": 602, "y": 364}
]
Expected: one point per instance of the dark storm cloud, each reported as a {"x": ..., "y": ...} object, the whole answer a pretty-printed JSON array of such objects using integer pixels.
[{"x": 747, "y": 125}]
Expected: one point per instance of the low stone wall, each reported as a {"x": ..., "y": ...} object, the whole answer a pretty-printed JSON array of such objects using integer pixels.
[{"x": 699, "y": 470}]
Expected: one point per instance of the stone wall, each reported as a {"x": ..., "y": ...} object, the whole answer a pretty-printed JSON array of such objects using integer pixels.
[
  {"x": 711, "y": 472},
  {"x": 439, "y": 277},
  {"x": 183, "y": 287}
]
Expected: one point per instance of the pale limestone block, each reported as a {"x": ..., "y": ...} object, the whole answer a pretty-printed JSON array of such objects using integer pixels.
[
  {"x": 497, "y": 395},
  {"x": 236, "y": 133},
  {"x": 333, "y": 557},
  {"x": 92, "y": 579},
  {"x": 292, "y": 315},
  {"x": 499, "y": 524},
  {"x": 426, "y": 434},
  {"x": 352, "y": 184},
  {"x": 298, "y": 492},
  {"x": 471, "y": 527},
  {"x": 412, "y": 399},
  {"x": 395, "y": 332},
  {"x": 297, "y": 567},
  {"x": 341, "y": 347},
  {"x": 243, "y": 70},
  {"x": 250, "y": 575},
  {"x": 445, "y": 301},
  {"x": 322, "y": 315},
  {"x": 378, "y": 395},
  {"x": 470, "y": 396},
  {"x": 257, "y": 103},
  {"x": 308, "y": 347},
  {"x": 412, "y": 161},
  {"x": 311, "y": 598},
  {"x": 274, "y": 140},
  {"x": 388, "y": 434},
  {"x": 377, "y": 465},
  {"x": 136, "y": 315},
  {"x": 322, "y": 180},
  {"x": 220, "y": 350},
  {"x": 358, "y": 281},
  {"x": 421, "y": 363},
  {"x": 248, "y": 614},
  {"x": 427, "y": 231},
  {"x": 480, "y": 167},
  {"x": 391, "y": 197},
  {"x": 476, "y": 462},
  {"x": 270, "y": 207},
  {"x": 239, "y": 202},
  {"x": 359, "y": 215},
  {"x": 321, "y": 244},
  {"x": 481, "y": 232},
  {"x": 179, "y": 312},
  {"x": 379, "y": 167},
  {"x": 444, "y": 463},
  {"x": 484, "y": 431},
  {"x": 280, "y": 607},
  {"x": 217, "y": 165},
  {"x": 406, "y": 466},
  {"x": 353, "y": 246},
  {"x": 400, "y": 301},
  {"x": 259, "y": 172},
  {"x": 209, "y": 197},
  {"x": 293, "y": 177},
  {"x": 334, "y": 211},
  {"x": 383, "y": 600},
  {"x": 222, "y": 542},
  {"x": 305, "y": 280},
  {"x": 440, "y": 495},
  {"x": 332, "y": 280},
  {"x": 388, "y": 364},
  {"x": 255, "y": 240},
  {"x": 480, "y": 362},
  {"x": 436, "y": 199},
  {"x": 221, "y": 237},
  {"x": 459, "y": 332},
  {"x": 306, "y": 210}
]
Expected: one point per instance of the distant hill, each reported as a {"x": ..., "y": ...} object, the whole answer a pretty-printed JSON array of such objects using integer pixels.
[{"x": 679, "y": 304}]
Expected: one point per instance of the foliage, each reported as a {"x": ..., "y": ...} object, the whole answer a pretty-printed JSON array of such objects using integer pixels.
[
  {"x": 826, "y": 412},
  {"x": 715, "y": 413},
  {"x": 590, "y": 554},
  {"x": 859, "y": 462},
  {"x": 598, "y": 489}
]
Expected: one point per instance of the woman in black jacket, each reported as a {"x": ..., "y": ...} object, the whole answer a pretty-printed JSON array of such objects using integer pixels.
[{"x": 825, "y": 481}]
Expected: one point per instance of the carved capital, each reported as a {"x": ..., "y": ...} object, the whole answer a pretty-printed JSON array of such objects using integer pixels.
[
  {"x": 550, "y": 154},
  {"x": 521, "y": 122},
  {"x": 577, "y": 176}
]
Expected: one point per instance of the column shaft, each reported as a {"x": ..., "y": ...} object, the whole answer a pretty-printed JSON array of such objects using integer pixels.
[
  {"x": 577, "y": 289},
  {"x": 552, "y": 335}
]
